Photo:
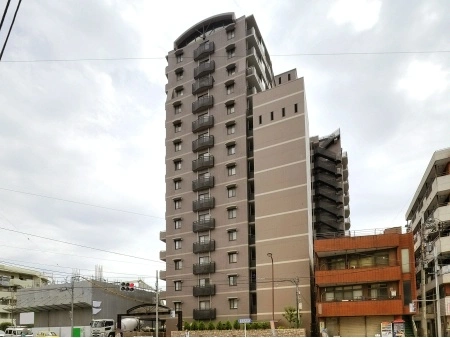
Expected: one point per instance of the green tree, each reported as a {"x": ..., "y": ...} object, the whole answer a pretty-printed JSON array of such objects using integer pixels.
[
  {"x": 4, "y": 325},
  {"x": 290, "y": 314},
  {"x": 236, "y": 325},
  {"x": 187, "y": 326}
]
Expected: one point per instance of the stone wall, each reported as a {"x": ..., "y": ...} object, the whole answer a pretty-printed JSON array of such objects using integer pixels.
[{"x": 240, "y": 333}]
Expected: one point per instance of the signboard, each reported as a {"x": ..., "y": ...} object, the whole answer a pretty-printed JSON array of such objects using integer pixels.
[
  {"x": 245, "y": 320},
  {"x": 386, "y": 329}
]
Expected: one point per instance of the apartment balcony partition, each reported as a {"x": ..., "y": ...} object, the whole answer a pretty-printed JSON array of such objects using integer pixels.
[
  {"x": 204, "y": 314},
  {"x": 202, "y": 104},
  {"x": 328, "y": 180},
  {"x": 204, "y": 162},
  {"x": 204, "y": 290},
  {"x": 203, "y": 225},
  {"x": 331, "y": 222},
  {"x": 162, "y": 274},
  {"x": 203, "y": 204},
  {"x": 162, "y": 236},
  {"x": 204, "y": 268},
  {"x": 204, "y": 69},
  {"x": 203, "y": 123},
  {"x": 329, "y": 194},
  {"x": 202, "y": 84},
  {"x": 333, "y": 210},
  {"x": 203, "y": 183},
  {"x": 200, "y": 247},
  {"x": 203, "y": 142},
  {"x": 162, "y": 255},
  {"x": 327, "y": 154},
  {"x": 203, "y": 50},
  {"x": 253, "y": 78},
  {"x": 329, "y": 166}
]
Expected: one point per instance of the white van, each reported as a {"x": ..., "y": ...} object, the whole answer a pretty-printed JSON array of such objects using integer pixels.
[{"x": 18, "y": 331}]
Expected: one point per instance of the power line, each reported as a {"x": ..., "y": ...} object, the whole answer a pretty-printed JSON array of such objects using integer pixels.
[
  {"x": 10, "y": 27},
  {"x": 77, "y": 202}
]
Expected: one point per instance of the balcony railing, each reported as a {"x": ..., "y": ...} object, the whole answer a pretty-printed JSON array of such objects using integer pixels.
[
  {"x": 203, "y": 183},
  {"x": 202, "y": 123},
  {"x": 204, "y": 162},
  {"x": 204, "y": 290},
  {"x": 201, "y": 84},
  {"x": 203, "y": 204},
  {"x": 202, "y": 103},
  {"x": 204, "y": 69},
  {"x": 204, "y": 314},
  {"x": 327, "y": 154},
  {"x": 203, "y": 225},
  {"x": 202, "y": 143},
  {"x": 204, "y": 268},
  {"x": 203, "y": 50},
  {"x": 208, "y": 246},
  {"x": 162, "y": 255},
  {"x": 162, "y": 236}
]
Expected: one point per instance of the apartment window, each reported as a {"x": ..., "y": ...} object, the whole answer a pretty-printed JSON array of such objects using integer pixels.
[
  {"x": 232, "y": 280},
  {"x": 179, "y": 57},
  {"x": 177, "y": 127},
  {"x": 177, "y": 243},
  {"x": 230, "y": 89},
  {"x": 177, "y": 306},
  {"x": 348, "y": 292},
  {"x": 177, "y": 184},
  {"x": 203, "y": 282},
  {"x": 231, "y": 70},
  {"x": 231, "y": 170},
  {"x": 279, "y": 80},
  {"x": 203, "y": 260},
  {"x": 231, "y": 191},
  {"x": 177, "y": 164},
  {"x": 177, "y": 145},
  {"x": 204, "y": 305},
  {"x": 230, "y": 109},
  {"x": 177, "y": 108},
  {"x": 260, "y": 119},
  {"x": 178, "y": 264},
  {"x": 231, "y": 149},
  {"x": 296, "y": 108},
  {"x": 232, "y": 235},
  {"x": 232, "y": 257},
  {"x": 230, "y": 34},
  {"x": 177, "y": 223},
  {"x": 179, "y": 92},
  {"x": 289, "y": 77},
  {"x": 177, "y": 203},
  {"x": 179, "y": 75},
  {"x": 203, "y": 238},
  {"x": 231, "y": 53},
  {"x": 233, "y": 302},
  {"x": 231, "y": 129},
  {"x": 232, "y": 213},
  {"x": 271, "y": 115},
  {"x": 378, "y": 291},
  {"x": 177, "y": 284},
  {"x": 283, "y": 112}
]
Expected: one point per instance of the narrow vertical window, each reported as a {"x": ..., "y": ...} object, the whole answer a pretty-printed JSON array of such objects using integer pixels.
[
  {"x": 283, "y": 112},
  {"x": 260, "y": 119},
  {"x": 296, "y": 108},
  {"x": 271, "y": 116}
]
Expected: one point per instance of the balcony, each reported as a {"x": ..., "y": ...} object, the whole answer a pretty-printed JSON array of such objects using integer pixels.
[
  {"x": 204, "y": 69},
  {"x": 331, "y": 208},
  {"x": 253, "y": 78},
  {"x": 162, "y": 255},
  {"x": 202, "y": 123},
  {"x": 204, "y": 268},
  {"x": 204, "y": 162},
  {"x": 204, "y": 225},
  {"x": 327, "y": 154},
  {"x": 162, "y": 274},
  {"x": 204, "y": 290},
  {"x": 162, "y": 236},
  {"x": 206, "y": 314},
  {"x": 203, "y": 50},
  {"x": 361, "y": 308},
  {"x": 202, "y": 143},
  {"x": 203, "y": 204},
  {"x": 202, "y": 84},
  {"x": 328, "y": 166},
  {"x": 203, "y": 183},
  {"x": 327, "y": 180},
  {"x": 208, "y": 246},
  {"x": 370, "y": 274},
  {"x": 329, "y": 194},
  {"x": 251, "y": 91},
  {"x": 202, "y": 104}
]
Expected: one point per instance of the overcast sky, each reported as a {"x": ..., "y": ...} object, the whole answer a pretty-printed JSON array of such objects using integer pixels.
[{"x": 82, "y": 115}]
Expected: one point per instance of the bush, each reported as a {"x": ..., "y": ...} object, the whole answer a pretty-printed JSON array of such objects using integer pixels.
[
  {"x": 219, "y": 326},
  {"x": 211, "y": 326},
  {"x": 4, "y": 325},
  {"x": 194, "y": 326},
  {"x": 228, "y": 325},
  {"x": 236, "y": 325},
  {"x": 202, "y": 326},
  {"x": 265, "y": 325},
  {"x": 187, "y": 326},
  {"x": 256, "y": 326}
]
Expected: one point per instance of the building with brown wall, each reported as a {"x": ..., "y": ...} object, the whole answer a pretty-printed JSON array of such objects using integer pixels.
[{"x": 364, "y": 280}]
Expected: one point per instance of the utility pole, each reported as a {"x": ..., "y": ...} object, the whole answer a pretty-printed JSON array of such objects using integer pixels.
[
  {"x": 156, "y": 306},
  {"x": 297, "y": 294},
  {"x": 71, "y": 306},
  {"x": 423, "y": 318},
  {"x": 438, "y": 296}
]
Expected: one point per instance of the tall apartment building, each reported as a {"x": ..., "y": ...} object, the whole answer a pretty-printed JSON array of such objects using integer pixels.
[
  {"x": 239, "y": 189},
  {"x": 428, "y": 218}
]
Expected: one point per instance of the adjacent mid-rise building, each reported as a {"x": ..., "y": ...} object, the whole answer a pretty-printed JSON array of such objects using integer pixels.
[
  {"x": 245, "y": 184},
  {"x": 428, "y": 218}
]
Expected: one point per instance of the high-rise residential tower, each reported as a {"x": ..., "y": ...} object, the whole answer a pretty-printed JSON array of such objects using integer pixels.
[{"x": 239, "y": 190}]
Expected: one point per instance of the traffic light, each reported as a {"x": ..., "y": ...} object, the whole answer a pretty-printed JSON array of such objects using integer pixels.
[{"x": 127, "y": 286}]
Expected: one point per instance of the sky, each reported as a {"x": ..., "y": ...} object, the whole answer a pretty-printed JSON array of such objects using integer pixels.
[{"x": 82, "y": 99}]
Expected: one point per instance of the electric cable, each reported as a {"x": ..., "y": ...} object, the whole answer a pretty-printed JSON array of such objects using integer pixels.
[{"x": 10, "y": 28}]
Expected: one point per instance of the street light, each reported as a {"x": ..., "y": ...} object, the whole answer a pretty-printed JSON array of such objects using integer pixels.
[{"x": 273, "y": 294}]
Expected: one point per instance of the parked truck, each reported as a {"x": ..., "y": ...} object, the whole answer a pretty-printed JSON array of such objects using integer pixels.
[{"x": 107, "y": 327}]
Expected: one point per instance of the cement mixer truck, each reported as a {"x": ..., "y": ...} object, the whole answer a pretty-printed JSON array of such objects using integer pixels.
[{"x": 107, "y": 327}]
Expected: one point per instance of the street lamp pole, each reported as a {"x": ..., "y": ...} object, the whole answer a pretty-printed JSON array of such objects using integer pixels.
[{"x": 273, "y": 293}]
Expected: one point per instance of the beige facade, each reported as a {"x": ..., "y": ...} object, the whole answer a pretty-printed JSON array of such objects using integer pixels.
[{"x": 238, "y": 179}]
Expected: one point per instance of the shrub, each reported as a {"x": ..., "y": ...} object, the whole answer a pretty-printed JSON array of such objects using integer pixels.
[
  {"x": 219, "y": 326},
  {"x": 236, "y": 325},
  {"x": 187, "y": 326},
  {"x": 256, "y": 326},
  {"x": 4, "y": 325},
  {"x": 194, "y": 326},
  {"x": 211, "y": 326},
  {"x": 228, "y": 325},
  {"x": 202, "y": 326},
  {"x": 265, "y": 325}
]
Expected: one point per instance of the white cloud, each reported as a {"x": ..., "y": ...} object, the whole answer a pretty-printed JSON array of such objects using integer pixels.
[
  {"x": 423, "y": 79},
  {"x": 362, "y": 15}
]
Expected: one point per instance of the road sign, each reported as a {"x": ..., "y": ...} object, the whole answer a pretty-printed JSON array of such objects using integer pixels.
[{"x": 245, "y": 320}]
